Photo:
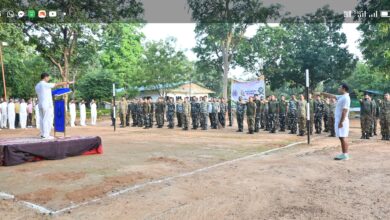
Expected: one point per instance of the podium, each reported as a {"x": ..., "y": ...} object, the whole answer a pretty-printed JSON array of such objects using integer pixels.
[{"x": 60, "y": 110}]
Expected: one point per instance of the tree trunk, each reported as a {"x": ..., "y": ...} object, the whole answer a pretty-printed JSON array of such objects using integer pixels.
[{"x": 225, "y": 57}]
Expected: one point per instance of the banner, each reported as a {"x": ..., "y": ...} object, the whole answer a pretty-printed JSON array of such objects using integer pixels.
[{"x": 247, "y": 89}]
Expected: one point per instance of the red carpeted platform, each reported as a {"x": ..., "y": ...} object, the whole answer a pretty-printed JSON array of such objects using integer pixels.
[{"x": 22, "y": 150}]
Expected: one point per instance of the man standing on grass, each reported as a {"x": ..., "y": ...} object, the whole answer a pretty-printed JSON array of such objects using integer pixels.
[
  {"x": 45, "y": 102},
  {"x": 342, "y": 121}
]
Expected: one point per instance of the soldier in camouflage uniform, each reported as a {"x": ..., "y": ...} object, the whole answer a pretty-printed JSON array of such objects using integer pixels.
[
  {"x": 171, "y": 113},
  {"x": 133, "y": 110},
  {"x": 265, "y": 115},
  {"x": 311, "y": 102},
  {"x": 293, "y": 114},
  {"x": 186, "y": 114},
  {"x": 366, "y": 116},
  {"x": 240, "y": 111},
  {"x": 215, "y": 107},
  {"x": 179, "y": 112},
  {"x": 273, "y": 112},
  {"x": 230, "y": 113},
  {"x": 282, "y": 113},
  {"x": 318, "y": 113},
  {"x": 332, "y": 109},
  {"x": 301, "y": 115},
  {"x": 375, "y": 116},
  {"x": 204, "y": 113},
  {"x": 262, "y": 113},
  {"x": 195, "y": 112},
  {"x": 258, "y": 113},
  {"x": 385, "y": 117},
  {"x": 128, "y": 113},
  {"x": 160, "y": 110},
  {"x": 326, "y": 114},
  {"x": 140, "y": 113},
  {"x": 122, "y": 111},
  {"x": 251, "y": 114},
  {"x": 222, "y": 112},
  {"x": 147, "y": 107}
]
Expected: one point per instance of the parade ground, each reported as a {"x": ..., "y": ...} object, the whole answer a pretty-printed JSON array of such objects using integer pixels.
[{"x": 214, "y": 174}]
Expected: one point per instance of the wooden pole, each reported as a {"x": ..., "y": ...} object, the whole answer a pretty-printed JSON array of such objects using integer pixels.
[{"x": 2, "y": 71}]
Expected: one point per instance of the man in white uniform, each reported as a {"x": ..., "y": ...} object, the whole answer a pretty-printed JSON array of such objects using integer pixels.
[
  {"x": 45, "y": 102},
  {"x": 83, "y": 113},
  {"x": 72, "y": 112},
  {"x": 93, "y": 112},
  {"x": 11, "y": 114},
  {"x": 23, "y": 114},
  {"x": 37, "y": 120},
  {"x": 1, "y": 114},
  {"x": 4, "y": 117},
  {"x": 341, "y": 124}
]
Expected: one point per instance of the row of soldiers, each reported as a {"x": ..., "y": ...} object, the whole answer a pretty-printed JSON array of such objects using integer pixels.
[
  {"x": 270, "y": 114},
  {"x": 370, "y": 112},
  {"x": 144, "y": 112}
]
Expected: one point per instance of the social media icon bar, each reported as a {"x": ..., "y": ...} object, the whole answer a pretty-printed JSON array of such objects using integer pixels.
[
  {"x": 52, "y": 14},
  {"x": 41, "y": 14},
  {"x": 31, "y": 13},
  {"x": 21, "y": 14}
]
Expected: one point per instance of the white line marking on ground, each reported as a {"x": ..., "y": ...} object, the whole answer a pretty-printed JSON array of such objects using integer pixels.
[
  {"x": 4, "y": 195},
  {"x": 44, "y": 210},
  {"x": 167, "y": 179}
]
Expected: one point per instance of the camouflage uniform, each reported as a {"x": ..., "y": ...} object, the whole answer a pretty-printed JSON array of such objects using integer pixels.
[
  {"x": 204, "y": 114},
  {"x": 195, "y": 114},
  {"x": 140, "y": 114},
  {"x": 122, "y": 112},
  {"x": 282, "y": 115},
  {"x": 147, "y": 107},
  {"x": 133, "y": 109},
  {"x": 240, "y": 115},
  {"x": 311, "y": 101},
  {"x": 332, "y": 109},
  {"x": 326, "y": 116},
  {"x": 292, "y": 116},
  {"x": 214, "y": 115},
  {"x": 222, "y": 114},
  {"x": 301, "y": 117},
  {"x": 258, "y": 115},
  {"x": 366, "y": 118},
  {"x": 171, "y": 114},
  {"x": 265, "y": 116},
  {"x": 273, "y": 111},
  {"x": 128, "y": 114},
  {"x": 318, "y": 113},
  {"x": 186, "y": 115},
  {"x": 385, "y": 119},
  {"x": 179, "y": 113},
  {"x": 160, "y": 110},
  {"x": 375, "y": 116},
  {"x": 262, "y": 115},
  {"x": 251, "y": 114}
]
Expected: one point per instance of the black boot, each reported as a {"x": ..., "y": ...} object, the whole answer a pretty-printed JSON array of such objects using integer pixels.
[{"x": 363, "y": 136}]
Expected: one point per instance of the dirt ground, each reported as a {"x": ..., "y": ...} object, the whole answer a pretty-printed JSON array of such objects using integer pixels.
[{"x": 300, "y": 182}]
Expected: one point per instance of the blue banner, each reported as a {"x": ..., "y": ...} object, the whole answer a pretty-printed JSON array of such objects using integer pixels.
[{"x": 59, "y": 115}]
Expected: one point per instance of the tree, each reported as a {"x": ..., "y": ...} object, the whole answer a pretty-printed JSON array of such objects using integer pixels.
[
  {"x": 121, "y": 51},
  {"x": 96, "y": 85},
  {"x": 221, "y": 25},
  {"x": 163, "y": 66},
  {"x": 313, "y": 42}
]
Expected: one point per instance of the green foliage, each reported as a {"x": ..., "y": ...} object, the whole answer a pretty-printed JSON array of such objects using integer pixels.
[
  {"x": 162, "y": 66},
  {"x": 96, "y": 85}
]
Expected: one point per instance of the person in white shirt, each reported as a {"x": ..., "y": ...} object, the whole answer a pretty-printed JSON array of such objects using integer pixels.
[
  {"x": 1, "y": 113},
  {"x": 45, "y": 102},
  {"x": 37, "y": 120},
  {"x": 93, "y": 112},
  {"x": 11, "y": 114},
  {"x": 23, "y": 114},
  {"x": 4, "y": 115},
  {"x": 72, "y": 112},
  {"x": 83, "y": 113},
  {"x": 341, "y": 124}
]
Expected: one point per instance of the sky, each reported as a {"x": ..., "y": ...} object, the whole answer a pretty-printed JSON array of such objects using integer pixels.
[{"x": 185, "y": 35}]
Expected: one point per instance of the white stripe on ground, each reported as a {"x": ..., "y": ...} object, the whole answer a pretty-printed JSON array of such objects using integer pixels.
[
  {"x": 44, "y": 210},
  {"x": 167, "y": 179}
]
